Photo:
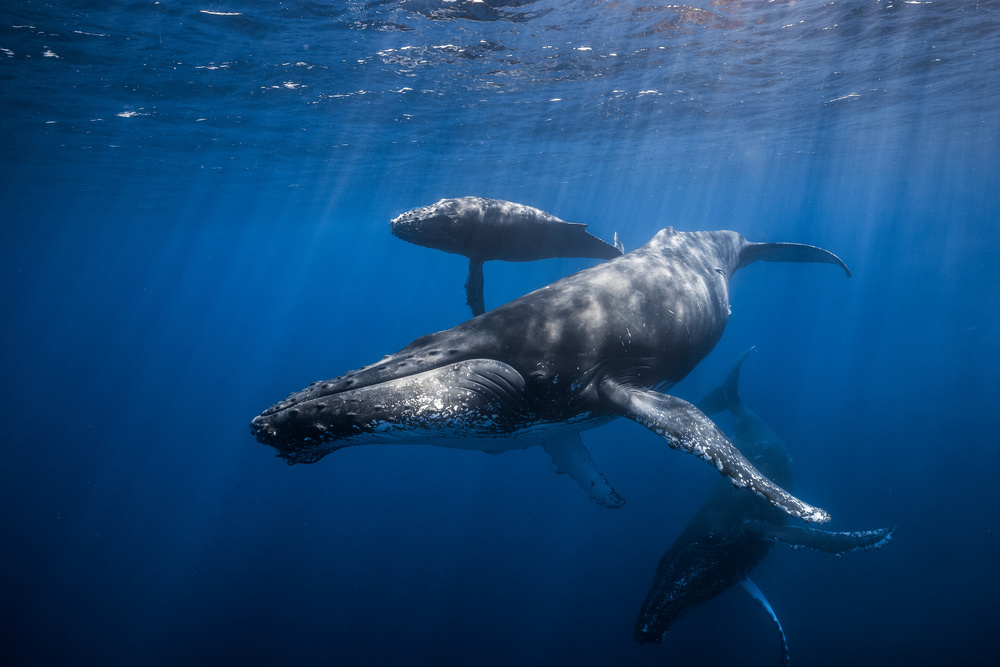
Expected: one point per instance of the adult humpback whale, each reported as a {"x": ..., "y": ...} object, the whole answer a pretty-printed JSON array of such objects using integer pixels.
[
  {"x": 596, "y": 345},
  {"x": 484, "y": 229},
  {"x": 733, "y": 531}
]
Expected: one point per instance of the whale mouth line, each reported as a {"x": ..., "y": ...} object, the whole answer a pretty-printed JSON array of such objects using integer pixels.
[
  {"x": 435, "y": 232},
  {"x": 384, "y": 372}
]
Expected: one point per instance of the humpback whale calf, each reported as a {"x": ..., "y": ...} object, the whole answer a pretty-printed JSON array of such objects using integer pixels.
[
  {"x": 596, "y": 345},
  {"x": 484, "y": 229},
  {"x": 733, "y": 531}
]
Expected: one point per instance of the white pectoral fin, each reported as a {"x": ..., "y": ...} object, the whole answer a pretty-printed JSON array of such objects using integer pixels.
[
  {"x": 836, "y": 543},
  {"x": 572, "y": 458},
  {"x": 758, "y": 597},
  {"x": 687, "y": 428}
]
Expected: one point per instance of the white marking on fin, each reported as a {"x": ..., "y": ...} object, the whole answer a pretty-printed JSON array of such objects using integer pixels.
[
  {"x": 758, "y": 597},
  {"x": 573, "y": 459},
  {"x": 619, "y": 244}
]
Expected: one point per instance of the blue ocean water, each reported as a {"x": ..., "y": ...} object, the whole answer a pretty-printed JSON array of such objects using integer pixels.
[{"x": 195, "y": 198}]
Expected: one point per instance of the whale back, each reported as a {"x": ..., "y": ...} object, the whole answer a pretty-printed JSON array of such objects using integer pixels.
[{"x": 492, "y": 229}]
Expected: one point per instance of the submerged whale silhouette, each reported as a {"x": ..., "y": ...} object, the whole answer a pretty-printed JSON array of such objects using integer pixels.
[
  {"x": 599, "y": 344},
  {"x": 487, "y": 229},
  {"x": 733, "y": 531}
]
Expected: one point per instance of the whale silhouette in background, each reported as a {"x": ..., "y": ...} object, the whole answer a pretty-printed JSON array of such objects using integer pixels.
[
  {"x": 596, "y": 345},
  {"x": 734, "y": 530},
  {"x": 487, "y": 229}
]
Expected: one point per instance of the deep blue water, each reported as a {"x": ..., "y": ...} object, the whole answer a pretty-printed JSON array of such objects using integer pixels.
[{"x": 195, "y": 199}]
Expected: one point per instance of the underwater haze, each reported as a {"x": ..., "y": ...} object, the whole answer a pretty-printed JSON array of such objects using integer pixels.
[{"x": 194, "y": 208}]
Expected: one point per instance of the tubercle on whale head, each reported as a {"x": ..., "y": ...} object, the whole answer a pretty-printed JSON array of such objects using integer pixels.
[
  {"x": 428, "y": 226},
  {"x": 261, "y": 428},
  {"x": 310, "y": 419}
]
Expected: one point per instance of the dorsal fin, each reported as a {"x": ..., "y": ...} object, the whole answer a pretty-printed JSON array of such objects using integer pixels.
[
  {"x": 726, "y": 395},
  {"x": 788, "y": 252}
]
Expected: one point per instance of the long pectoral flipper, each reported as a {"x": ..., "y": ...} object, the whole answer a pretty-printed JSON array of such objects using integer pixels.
[
  {"x": 687, "y": 428},
  {"x": 798, "y": 537},
  {"x": 572, "y": 458},
  {"x": 758, "y": 597}
]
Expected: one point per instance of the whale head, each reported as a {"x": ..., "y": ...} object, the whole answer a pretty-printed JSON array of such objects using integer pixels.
[
  {"x": 475, "y": 397},
  {"x": 436, "y": 226}
]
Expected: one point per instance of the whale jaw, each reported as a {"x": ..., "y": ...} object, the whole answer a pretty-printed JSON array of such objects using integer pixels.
[{"x": 476, "y": 398}]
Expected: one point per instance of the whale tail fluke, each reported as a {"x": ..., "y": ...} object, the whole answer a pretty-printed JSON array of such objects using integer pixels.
[
  {"x": 788, "y": 252},
  {"x": 726, "y": 396}
]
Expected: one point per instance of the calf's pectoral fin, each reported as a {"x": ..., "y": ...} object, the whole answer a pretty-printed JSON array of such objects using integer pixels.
[
  {"x": 758, "y": 597},
  {"x": 799, "y": 537},
  {"x": 474, "y": 287},
  {"x": 572, "y": 458},
  {"x": 687, "y": 428}
]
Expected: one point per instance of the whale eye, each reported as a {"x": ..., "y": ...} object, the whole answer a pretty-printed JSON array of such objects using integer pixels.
[{"x": 720, "y": 271}]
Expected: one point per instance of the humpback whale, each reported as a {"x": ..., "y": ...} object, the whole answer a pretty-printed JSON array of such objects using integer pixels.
[
  {"x": 484, "y": 229},
  {"x": 599, "y": 344},
  {"x": 733, "y": 531}
]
